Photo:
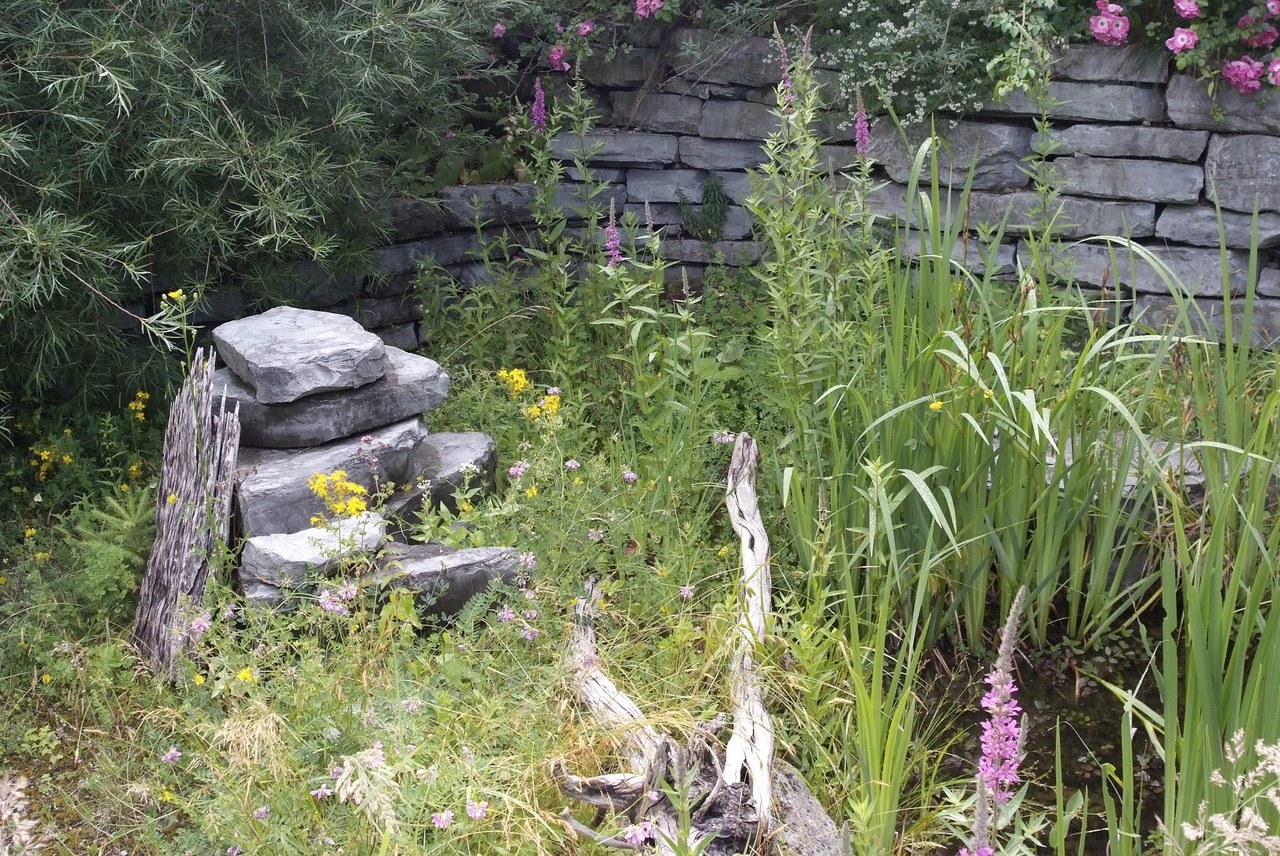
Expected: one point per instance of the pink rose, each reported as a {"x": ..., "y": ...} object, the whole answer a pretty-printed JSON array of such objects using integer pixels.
[
  {"x": 1189, "y": 8},
  {"x": 1264, "y": 37},
  {"x": 645, "y": 8},
  {"x": 1273, "y": 72},
  {"x": 499, "y": 30},
  {"x": 1182, "y": 39},
  {"x": 1108, "y": 28},
  {"x": 586, "y": 28},
  {"x": 1273, "y": 7},
  {"x": 1245, "y": 74},
  {"x": 559, "y": 58}
]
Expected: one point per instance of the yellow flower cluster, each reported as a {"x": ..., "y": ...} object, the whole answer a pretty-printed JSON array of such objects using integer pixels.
[
  {"x": 339, "y": 494},
  {"x": 516, "y": 380},
  {"x": 44, "y": 460},
  {"x": 138, "y": 407},
  {"x": 548, "y": 405},
  {"x": 177, "y": 295},
  {"x": 135, "y": 470}
]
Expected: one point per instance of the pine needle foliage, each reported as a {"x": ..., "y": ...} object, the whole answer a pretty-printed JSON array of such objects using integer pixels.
[{"x": 147, "y": 145}]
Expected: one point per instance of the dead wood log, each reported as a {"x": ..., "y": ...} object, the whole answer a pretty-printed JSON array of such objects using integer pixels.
[
  {"x": 732, "y": 799},
  {"x": 193, "y": 512}
]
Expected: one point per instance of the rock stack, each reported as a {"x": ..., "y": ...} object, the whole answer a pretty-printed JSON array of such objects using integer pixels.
[{"x": 318, "y": 394}]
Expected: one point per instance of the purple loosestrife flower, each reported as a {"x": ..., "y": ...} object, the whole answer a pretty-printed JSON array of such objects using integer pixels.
[
  {"x": 538, "y": 113},
  {"x": 612, "y": 237},
  {"x": 861, "y": 132}
]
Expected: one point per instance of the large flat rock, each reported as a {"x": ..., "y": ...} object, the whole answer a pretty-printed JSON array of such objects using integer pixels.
[
  {"x": 1191, "y": 106},
  {"x": 994, "y": 151},
  {"x": 1125, "y": 141},
  {"x": 1089, "y": 102},
  {"x": 444, "y": 578},
  {"x": 440, "y": 465},
  {"x": 617, "y": 147},
  {"x": 1243, "y": 171},
  {"x": 411, "y": 386},
  {"x": 1198, "y": 224},
  {"x": 297, "y": 559},
  {"x": 1197, "y": 270},
  {"x": 285, "y": 354},
  {"x": 272, "y": 496},
  {"x": 1123, "y": 178}
]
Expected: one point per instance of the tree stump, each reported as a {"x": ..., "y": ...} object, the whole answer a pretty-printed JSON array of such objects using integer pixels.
[{"x": 193, "y": 512}]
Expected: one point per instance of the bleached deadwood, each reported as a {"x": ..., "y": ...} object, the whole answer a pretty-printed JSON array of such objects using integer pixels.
[
  {"x": 749, "y": 752},
  {"x": 731, "y": 798},
  {"x": 193, "y": 511}
]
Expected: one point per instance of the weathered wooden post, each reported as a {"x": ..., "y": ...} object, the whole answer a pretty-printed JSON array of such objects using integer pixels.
[{"x": 193, "y": 511}]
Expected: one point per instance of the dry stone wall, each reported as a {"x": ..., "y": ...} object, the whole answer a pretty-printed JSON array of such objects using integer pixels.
[{"x": 1138, "y": 152}]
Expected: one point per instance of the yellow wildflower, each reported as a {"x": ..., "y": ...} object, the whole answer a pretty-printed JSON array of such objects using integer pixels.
[
  {"x": 43, "y": 556},
  {"x": 246, "y": 675},
  {"x": 987, "y": 393},
  {"x": 135, "y": 470},
  {"x": 532, "y": 491},
  {"x": 465, "y": 505},
  {"x": 166, "y": 796},
  {"x": 317, "y": 520},
  {"x": 577, "y": 481},
  {"x": 3, "y": 580},
  {"x": 516, "y": 380},
  {"x": 935, "y": 406},
  {"x": 171, "y": 498},
  {"x": 533, "y": 411},
  {"x": 45, "y": 678},
  {"x": 722, "y": 552},
  {"x": 124, "y": 488},
  {"x": 66, "y": 459},
  {"x": 198, "y": 680},
  {"x": 29, "y": 532},
  {"x": 66, "y": 432},
  {"x": 176, "y": 295}
]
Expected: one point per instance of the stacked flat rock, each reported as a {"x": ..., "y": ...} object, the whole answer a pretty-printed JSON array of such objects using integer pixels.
[{"x": 317, "y": 394}]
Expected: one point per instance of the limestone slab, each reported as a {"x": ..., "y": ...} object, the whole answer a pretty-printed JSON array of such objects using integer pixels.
[
  {"x": 1123, "y": 64},
  {"x": 1191, "y": 106},
  {"x": 656, "y": 111},
  {"x": 285, "y": 354},
  {"x": 1198, "y": 225},
  {"x": 1125, "y": 141},
  {"x": 443, "y": 578},
  {"x": 737, "y": 120},
  {"x": 700, "y": 153},
  {"x": 1208, "y": 319},
  {"x": 440, "y": 465},
  {"x": 660, "y": 185},
  {"x": 1197, "y": 270},
  {"x": 731, "y": 253},
  {"x": 617, "y": 147},
  {"x": 272, "y": 496},
  {"x": 1243, "y": 171},
  {"x": 750, "y": 61},
  {"x": 993, "y": 150},
  {"x": 411, "y": 386},
  {"x": 407, "y": 258},
  {"x": 1089, "y": 102},
  {"x": 292, "y": 560},
  {"x": 1122, "y": 178}
]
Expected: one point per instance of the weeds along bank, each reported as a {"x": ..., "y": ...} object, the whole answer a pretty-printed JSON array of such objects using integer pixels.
[{"x": 935, "y": 442}]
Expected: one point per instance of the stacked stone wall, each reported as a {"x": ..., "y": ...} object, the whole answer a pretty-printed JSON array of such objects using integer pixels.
[{"x": 1138, "y": 152}]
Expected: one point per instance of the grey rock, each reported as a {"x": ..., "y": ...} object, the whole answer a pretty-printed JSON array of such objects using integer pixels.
[
  {"x": 440, "y": 465},
  {"x": 698, "y": 153},
  {"x": 1199, "y": 271},
  {"x": 1087, "y": 102},
  {"x": 371, "y": 312},
  {"x": 213, "y": 308},
  {"x": 737, "y": 223},
  {"x": 1072, "y": 216},
  {"x": 742, "y": 62},
  {"x": 578, "y": 200},
  {"x": 1207, "y": 319},
  {"x": 609, "y": 175},
  {"x": 413, "y": 218},
  {"x": 272, "y": 496},
  {"x": 1243, "y": 171},
  {"x": 1142, "y": 180},
  {"x": 660, "y": 185},
  {"x": 411, "y": 386},
  {"x": 731, "y": 253},
  {"x": 737, "y": 120},
  {"x": 1198, "y": 225},
  {"x": 998, "y": 149},
  {"x": 976, "y": 257},
  {"x": 403, "y": 336},
  {"x": 628, "y": 148},
  {"x": 655, "y": 111},
  {"x": 407, "y": 258},
  {"x": 445, "y": 578},
  {"x": 625, "y": 69},
  {"x": 737, "y": 186},
  {"x": 295, "y": 559},
  {"x": 499, "y": 204},
  {"x": 285, "y": 354},
  {"x": 1123, "y": 64},
  {"x": 1190, "y": 106},
  {"x": 804, "y": 827},
  {"x": 322, "y": 288},
  {"x": 1121, "y": 141}
]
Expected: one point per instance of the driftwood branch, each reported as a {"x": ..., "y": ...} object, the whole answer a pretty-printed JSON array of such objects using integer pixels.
[
  {"x": 730, "y": 797},
  {"x": 193, "y": 511}
]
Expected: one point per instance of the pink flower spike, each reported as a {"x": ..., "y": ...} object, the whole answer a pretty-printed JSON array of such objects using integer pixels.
[
  {"x": 538, "y": 113},
  {"x": 499, "y": 30}
]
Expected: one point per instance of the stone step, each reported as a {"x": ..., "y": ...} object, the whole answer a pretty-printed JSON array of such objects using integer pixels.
[
  {"x": 272, "y": 566},
  {"x": 442, "y": 578}
]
